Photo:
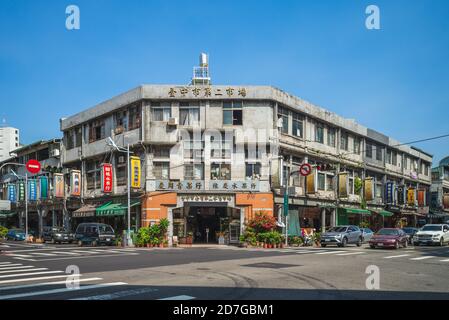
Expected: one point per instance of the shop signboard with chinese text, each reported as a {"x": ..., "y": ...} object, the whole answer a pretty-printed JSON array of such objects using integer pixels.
[
  {"x": 214, "y": 185},
  {"x": 106, "y": 178},
  {"x": 136, "y": 172}
]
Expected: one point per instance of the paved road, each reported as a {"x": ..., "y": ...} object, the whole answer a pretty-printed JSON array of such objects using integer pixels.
[{"x": 219, "y": 272}]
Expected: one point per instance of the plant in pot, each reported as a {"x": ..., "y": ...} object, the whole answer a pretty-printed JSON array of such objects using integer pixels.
[
  {"x": 317, "y": 238},
  {"x": 189, "y": 239}
]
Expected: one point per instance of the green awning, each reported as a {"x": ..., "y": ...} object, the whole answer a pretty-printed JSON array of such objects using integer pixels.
[
  {"x": 114, "y": 209},
  {"x": 386, "y": 213},
  {"x": 357, "y": 211},
  {"x": 7, "y": 214}
]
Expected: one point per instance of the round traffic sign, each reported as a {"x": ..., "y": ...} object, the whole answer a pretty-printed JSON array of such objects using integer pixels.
[
  {"x": 305, "y": 169},
  {"x": 33, "y": 166}
]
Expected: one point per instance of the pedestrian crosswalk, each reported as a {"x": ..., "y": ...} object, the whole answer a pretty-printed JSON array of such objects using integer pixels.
[{"x": 69, "y": 253}]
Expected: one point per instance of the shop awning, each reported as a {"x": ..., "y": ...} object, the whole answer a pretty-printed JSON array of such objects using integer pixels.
[
  {"x": 384, "y": 213},
  {"x": 115, "y": 209},
  {"x": 437, "y": 215},
  {"x": 7, "y": 214},
  {"x": 357, "y": 211},
  {"x": 84, "y": 211}
]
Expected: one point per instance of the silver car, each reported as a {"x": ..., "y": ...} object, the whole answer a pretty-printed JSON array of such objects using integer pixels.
[
  {"x": 341, "y": 236},
  {"x": 367, "y": 234}
]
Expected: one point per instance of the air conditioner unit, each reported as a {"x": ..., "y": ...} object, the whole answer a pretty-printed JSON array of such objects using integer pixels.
[
  {"x": 173, "y": 121},
  {"x": 55, "y": 153}
]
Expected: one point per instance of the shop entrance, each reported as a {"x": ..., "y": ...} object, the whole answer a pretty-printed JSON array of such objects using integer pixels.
[{"x": 205, "y": 224}]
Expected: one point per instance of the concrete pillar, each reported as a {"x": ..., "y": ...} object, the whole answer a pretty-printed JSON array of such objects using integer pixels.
[
  {"x": 170, "y": 226},
  {"x": 40, "y": 214},
  {"x": 323, "y": 220},
  {"x": 334, "y": 218},
  {"x": 54, "y": 221}
]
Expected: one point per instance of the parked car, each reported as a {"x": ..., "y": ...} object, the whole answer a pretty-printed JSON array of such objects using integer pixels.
[
  {"x": 389, "y": 238},
  {"x": 432, "y": 234},
  {"x": 341, "y": 236},
  {"x": 367, "y": 234},
  {"x": 16, "y": 235},
  {"x": 410, "y": 231},
  {"x": 94, "y": 234},
  {"x": 57, "y": 235}
]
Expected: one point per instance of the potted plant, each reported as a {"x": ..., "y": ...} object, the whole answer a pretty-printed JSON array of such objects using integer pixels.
[
  {"x": 189, "y": 239},
  {"x": 317, "y": 238}
]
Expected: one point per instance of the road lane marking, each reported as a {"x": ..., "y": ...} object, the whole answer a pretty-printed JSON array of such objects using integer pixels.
[
  {"x": 350, "y": 253},
  {"x": 43, "y": 254},
  {"x": 19, "y": 271},
  {"x": 24, "y": 259},
  {"x": 86, "y": 257},
  {"x": 63, "y": 290},
  {"x": 117, "y": 295},
  {"x": 9, "y": 266},
  {"x": 445, "y": 260},
  {"x": 66, "y": 252},
  {"x": 33, "y": 279},
  {"x": 179, "y": 298},
  {"x": 45, "y": 284},
  {"x": 29, "y": 274},
  {"x": 423, "y": 258},
  {"x": 3, "y": 263},
  {"x": 398, "y": 256},
  {"x": 15, "y": 268},
  {"x": 19, "y": 255},
  {"x": 329, "y": 252}
]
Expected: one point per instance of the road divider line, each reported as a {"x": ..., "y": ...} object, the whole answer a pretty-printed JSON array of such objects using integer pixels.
[
  {"x": 329, "y": 252},
  {"x": 445, "y": 260},
  {"x": 179, "y": 298},
  {"x": 117, "y": 295},
  {"x": 19, "y": 271},
  {"x": 398, "y": 256},
  {"x": 3, "y": 263},
  {"x": 29, "y": 274},
  {"x": 19, "y": 255},
  {"x": 66, "y": 252},
  {"x": 45, "y": 284},
  {"x": 43, "y": 254},
  {"x": 86, "y": 257},
  {"x": 33, "y": 279},
  {"x": 350, "y": 253},
  {"x": 63, "y": 290},
  {"x": 10, "y": 266},
  {"x": 422, "y": 258}
]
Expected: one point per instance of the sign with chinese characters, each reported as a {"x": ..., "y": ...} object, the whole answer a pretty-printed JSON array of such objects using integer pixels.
[
  {"x": 411, "y": 197},
  {"x": 75, "y": 183},
  {"x": 343, "y": 185},
  {"x": 401, "y": 195},
  {"x": 106, "y": 178},
  {"x": 215, "y": 185},
  {"x": 21, "y": 191},
  {"x": 421, "y": 198},
  {"x": 389, "y": 195},
  {"x": 136, "y": 172},
  {"x": 312, "y": 182},
  {"x": 12, "y": 195},
  {"x": 369, "y": 189},
  {"x": 206, "y": 198},
  {"x": 32, "y": 190},
  {"x": 43, "y": 187},
  {"x": 446, "y": 201},
  {"x": 206, "y": 92},
  {"x": 58, "y": 185}
]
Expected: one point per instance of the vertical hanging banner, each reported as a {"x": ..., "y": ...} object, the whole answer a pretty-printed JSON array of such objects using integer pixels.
[
  {"x": 21, "y": 191},
  {"x": 135, "y": 172},
  {"x": 446, "y": 201},
  {"x": 343, "y": 185},
  {"x": 401, "y": 195},
  {"x": 75, "y": 183},
  {"x": 32, "y": 190},
  {"x": 58, "y": 185},
  {"x": 311, "y": 182},
  {"x": 421, "y": 198},
  {"x": 369, "y": 189},
  {"x": 411, "y": 197},
  {"x": 389, "y": 194},
  {"x": 43, "y": 187},
  {"x": 12, "y": 194},
  {"x": 106, "y": 178}
]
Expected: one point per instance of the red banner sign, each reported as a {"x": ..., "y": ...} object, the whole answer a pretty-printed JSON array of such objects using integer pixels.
[
  {"x": 421, "y": 198},
  {"x": 446, "y": 201},
  {"x": 106, "y": 179}
]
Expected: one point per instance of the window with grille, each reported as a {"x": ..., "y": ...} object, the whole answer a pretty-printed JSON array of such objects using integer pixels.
[
  {"x": 331, "y": 137},
  {"x": 135, "y": 117},
  {"x": 121, "y": 169},
  {"x": 189, "y": 114},
  {"x": 253, "y": 171},
  {"x": 160, "y": 111},
  {"x": 283, "y": 114},
  {"x": 319, "y": 132},
  {"x": 232, "y": 113},
  {"x": 220, "y": 171},
  {"x": 161, "y": 170},
  {"x": 298, "y": 125},
  {"x": 193, "y": 171}
]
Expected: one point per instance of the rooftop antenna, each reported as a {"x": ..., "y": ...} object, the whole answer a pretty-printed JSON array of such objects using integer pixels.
[{"x": 201, "y": 74}]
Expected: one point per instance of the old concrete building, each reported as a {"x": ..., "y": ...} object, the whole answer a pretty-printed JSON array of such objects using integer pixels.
[
  {"x": 212, "y": 156},
  {"x": 440, "y": 192}
]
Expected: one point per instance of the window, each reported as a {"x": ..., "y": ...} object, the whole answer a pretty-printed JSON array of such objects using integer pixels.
[
  {"x": 356, "y": 145},
  {"x": 220, "y": 171},
  {"x": 160, "y": 112},
  {"x": 161, "y": 170},
  {"x": 121, "y": 170},
  {"x": 329, "y": 182},
  {"x": 298, "y": 125},
  {"x": 189, "y": 115},
  {"x": 331, "y": 137},
  {"x": 161, "y": 152},
  {"x": 69, "y": 143},
  {"x": 194, "y": 171},
  {"x": 253, "y": 171},
  {"x": 232, "y": 113},
  {"x": 283, "y": 114},
  {"x": 379, "y": 189},
  {"x": 43, "y": 154},
  {"x": 379, "y": 153},
  {"x": 221, "y": 148},
  {"x": 388, "y": 156},
  {"x": 344, "y": 141},
  {"x": 78, "y": 137},
  {"x": 97, "y": 130},
  {"x": 394, "y": 158},
  {"x": 319, "y": 133},
  {"x": 121, "y": 121},
  {"x": 135, "y": 117},
  {"x": 93, "y": 175},
  {"x": 321, "y": 181},
  {"x": 369, "y": 150}
]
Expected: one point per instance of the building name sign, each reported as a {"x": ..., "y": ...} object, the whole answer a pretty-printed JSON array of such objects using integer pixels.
[
  {"x": 206, "y": 198},
  {"x": 230, "y": 92},
  {"x": 215, "y": 185}
]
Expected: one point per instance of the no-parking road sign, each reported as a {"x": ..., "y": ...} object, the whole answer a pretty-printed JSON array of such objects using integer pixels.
[{"x": 305, "y": 169}]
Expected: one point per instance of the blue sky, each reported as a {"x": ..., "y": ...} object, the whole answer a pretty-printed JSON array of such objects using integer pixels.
[{"x": 394, "y": 80}]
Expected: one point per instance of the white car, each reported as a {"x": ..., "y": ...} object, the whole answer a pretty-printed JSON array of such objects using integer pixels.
[{"x": 432, "y": 234}]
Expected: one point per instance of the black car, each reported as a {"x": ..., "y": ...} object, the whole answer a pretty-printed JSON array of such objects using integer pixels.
[
  {"x": 95, "y": 234},
  {"x": 57, "y": 235},
  {"x": 410, "y": 231}
]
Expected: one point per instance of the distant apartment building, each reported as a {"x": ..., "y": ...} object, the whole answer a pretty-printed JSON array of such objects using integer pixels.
[
  {"x": 212, "y": 156},
  {"x": 9, "y": 140}
]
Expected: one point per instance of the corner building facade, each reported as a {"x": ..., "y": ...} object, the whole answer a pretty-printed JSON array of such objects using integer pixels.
[{"x": 214, "y": 156}]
